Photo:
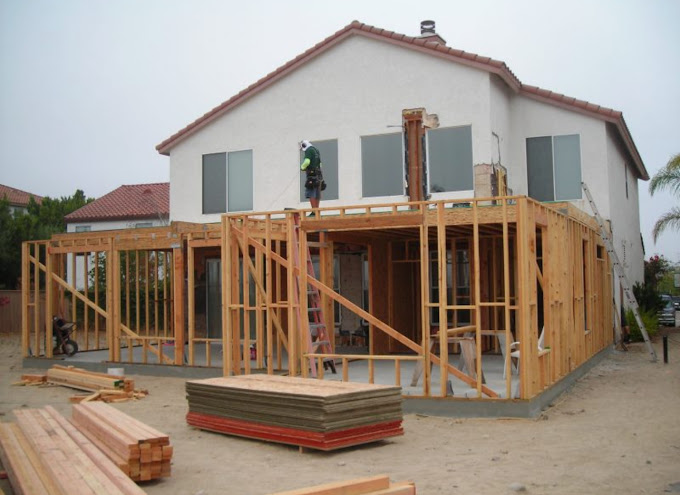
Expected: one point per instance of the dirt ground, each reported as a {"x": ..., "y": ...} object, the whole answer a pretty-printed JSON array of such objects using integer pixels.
[{"x": 617, "y": 431}]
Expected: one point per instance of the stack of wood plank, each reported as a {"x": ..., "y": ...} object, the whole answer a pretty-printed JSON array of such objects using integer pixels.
[
  {"x": 312, "y": 413},
  {"x": 373, "y": 485},
  {"x": 45, "y": 454},
  {"x": 91, "y": 381},
  {"x": 140, "y": 451}
]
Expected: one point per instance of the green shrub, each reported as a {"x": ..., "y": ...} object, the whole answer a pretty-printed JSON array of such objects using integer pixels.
[{"x": 649, "y": 319}]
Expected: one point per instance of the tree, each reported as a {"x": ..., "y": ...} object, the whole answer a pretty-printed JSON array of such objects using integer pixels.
[
  {"x": 668, "y": 178},
  {"x": 40, "y": 222}
]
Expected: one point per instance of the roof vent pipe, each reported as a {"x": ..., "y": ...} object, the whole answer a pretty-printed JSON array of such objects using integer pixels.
[{"x": 427, "y": 27}]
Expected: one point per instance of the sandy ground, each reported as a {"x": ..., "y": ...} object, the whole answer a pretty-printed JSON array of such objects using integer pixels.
[{"x": 616, "y": 431}]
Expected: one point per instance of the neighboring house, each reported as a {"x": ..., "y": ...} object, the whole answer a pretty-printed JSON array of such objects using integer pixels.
[
  {"x": 127, "y": 207},
  {"x": 18, "y": 199},
  {"x": 346, "y": 95}
]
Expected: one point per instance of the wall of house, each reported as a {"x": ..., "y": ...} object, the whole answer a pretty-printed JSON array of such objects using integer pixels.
[
  {"x": 500, "y": 117},
  {"x": 531, "y": 118},
  {"x": 319, "y": 101},
  {"x": 624, "y": 207},
  {"x": 115, "y": 224}
]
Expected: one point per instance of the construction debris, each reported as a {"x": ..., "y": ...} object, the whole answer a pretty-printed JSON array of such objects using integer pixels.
[
  {"x": 318, "y": 414},
  {"x": 374, "y": 485},
  {"x": 140, "y": 451},
  {"x": 91, "y": 381},
  {"x": 101, "y": 386}
]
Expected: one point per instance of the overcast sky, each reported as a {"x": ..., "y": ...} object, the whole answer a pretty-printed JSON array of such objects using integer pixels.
[{"x": 88, "y": 88}]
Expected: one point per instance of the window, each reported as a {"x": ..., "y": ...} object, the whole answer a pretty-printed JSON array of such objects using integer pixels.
[
  {"x": 228, "y": 182},
  {"x": 83, "y": 228},
  {"x": 382, "y": 165},
  {"x": 554, "y": 167},
  {"x": 329, "y": 159},
  {"x": 240, "y": 181},
  {"x": 450, "y": 159},
  {"x": 215, "y": 183},
  {"x": 142, "y": 225}
]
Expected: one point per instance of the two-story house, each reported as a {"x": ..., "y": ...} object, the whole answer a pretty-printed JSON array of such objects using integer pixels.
[
  {"x": 454, "y": 223},
  {"x": 346, "y": 95}
]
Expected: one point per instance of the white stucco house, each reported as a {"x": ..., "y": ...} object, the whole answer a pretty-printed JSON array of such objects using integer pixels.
[
  {"x": 126, "y": 207},
  {"x": 347, "y": 93}
]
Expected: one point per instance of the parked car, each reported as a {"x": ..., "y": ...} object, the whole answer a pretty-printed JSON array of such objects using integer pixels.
[
  {"x": 676, "y": 302},
  {"x": 667, "y": 314}
]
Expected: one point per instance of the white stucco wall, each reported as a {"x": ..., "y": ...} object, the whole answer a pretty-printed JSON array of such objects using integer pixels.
[
  {"x": 624, "y": 210},
  {"x": 531, "y": 118},
  {"x": 500, "y": 122},
  {"x": 115, "y": 224},
  {"x": 320, "y": 101}
]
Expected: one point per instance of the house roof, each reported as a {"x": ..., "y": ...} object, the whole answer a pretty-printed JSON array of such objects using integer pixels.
[
  {"x": 127, "y": 202},
  {"x": 17, "y": 197},
  {"x": 424, "y": 45}
]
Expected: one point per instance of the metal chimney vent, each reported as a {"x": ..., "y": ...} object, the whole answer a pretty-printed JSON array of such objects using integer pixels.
[{"x": 427, "y": 27}]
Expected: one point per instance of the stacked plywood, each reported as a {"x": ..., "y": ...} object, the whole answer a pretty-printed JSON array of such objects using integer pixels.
[
  {"x": 87, "y": 380},
  {"x": 140, "y": 451},
  {"x": 311, "y": 413},
  {"x": 44, "y": 454},
  {"x": 373, "y": 485}
]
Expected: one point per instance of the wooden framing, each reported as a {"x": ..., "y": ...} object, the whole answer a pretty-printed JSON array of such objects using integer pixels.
[{"x": 506, "y": 268}]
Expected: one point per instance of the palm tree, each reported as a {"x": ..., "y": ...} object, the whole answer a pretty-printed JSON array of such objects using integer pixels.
[{"x": 667, "y": 178}]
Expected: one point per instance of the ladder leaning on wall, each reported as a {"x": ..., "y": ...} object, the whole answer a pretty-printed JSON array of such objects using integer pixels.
[
  {"x": 616, "y": 264},
  {"x": 318, "y": 338}
]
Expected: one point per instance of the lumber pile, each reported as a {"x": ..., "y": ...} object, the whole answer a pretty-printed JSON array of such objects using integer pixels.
[
  {"x": 318, "y": 414},
  {"x": 90, "y": 381},
  {"x": 373, "y": 485},
  {"x": 44, "y": 454},
  {"x": 140, "y": 451}
]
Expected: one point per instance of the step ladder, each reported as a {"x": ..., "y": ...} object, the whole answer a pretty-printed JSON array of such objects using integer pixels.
[
  {"x": 616, "y": 264},
  {"x": 318, "y": 339}
]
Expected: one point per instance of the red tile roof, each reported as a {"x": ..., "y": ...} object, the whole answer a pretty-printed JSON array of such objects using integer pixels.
[
  {"x": 432, "y": 48},
  {"x": 127, "y": 202},
  {"x": 17, "y": 197}
]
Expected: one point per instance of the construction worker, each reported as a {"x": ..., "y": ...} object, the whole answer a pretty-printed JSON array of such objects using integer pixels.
[{"x": 312, "y": 167}]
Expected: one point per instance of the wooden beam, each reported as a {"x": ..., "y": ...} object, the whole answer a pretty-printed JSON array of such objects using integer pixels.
[{"x": 178, "y": 307}]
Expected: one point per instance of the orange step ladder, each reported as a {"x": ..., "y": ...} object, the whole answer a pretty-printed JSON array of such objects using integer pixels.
[{"x": 318, "y": 338}]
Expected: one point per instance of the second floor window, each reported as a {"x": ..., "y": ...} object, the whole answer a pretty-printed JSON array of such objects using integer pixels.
[{"x": 554, "y": 167}]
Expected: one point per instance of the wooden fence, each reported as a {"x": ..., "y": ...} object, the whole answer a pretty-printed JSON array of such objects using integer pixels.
[{"x": 10, "y": 311}]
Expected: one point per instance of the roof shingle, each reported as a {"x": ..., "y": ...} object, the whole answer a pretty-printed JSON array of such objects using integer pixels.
[
  {"x": 127, "y": 202},
  {"x": 17, "y": 197}
]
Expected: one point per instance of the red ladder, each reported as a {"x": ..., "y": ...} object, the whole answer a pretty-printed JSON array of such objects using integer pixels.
[{"x": 318, "y": 339}]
